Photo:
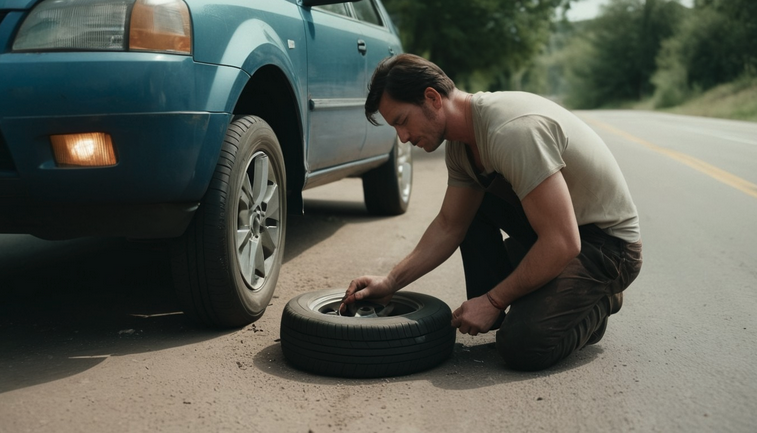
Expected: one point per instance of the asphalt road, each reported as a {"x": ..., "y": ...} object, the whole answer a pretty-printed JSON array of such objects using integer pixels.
[{"x": 91, "y": 341}]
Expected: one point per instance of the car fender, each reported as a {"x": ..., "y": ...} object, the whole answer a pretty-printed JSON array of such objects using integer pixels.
[
  {"x": 17, "y": 4},
  {"x": 272, "y": 54},
  {"x": 249, "y": 37}
]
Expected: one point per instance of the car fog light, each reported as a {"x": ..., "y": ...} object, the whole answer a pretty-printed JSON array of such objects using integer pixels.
[{"x": 93, "y": 149}]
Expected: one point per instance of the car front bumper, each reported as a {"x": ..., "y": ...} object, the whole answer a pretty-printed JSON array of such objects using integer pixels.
[{"x": 166, "y": 115}]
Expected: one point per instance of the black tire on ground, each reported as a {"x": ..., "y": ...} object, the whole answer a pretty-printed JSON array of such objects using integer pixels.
[
  {"x": 226, "y": 264},
  {"x": 387, "y": 188},
  {"x": 416, "y": 336}
]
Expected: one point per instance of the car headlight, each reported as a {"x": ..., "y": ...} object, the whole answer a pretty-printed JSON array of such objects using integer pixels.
[{"x": 107, "y": 25}]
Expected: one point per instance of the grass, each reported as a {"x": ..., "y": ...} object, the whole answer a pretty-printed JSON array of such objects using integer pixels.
[{"x": 736, "y": 100}]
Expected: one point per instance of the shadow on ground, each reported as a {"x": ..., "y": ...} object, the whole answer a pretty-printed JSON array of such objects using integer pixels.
[
  {"x": 470, "y": 367},
  {"x": 65, "y": 306}
]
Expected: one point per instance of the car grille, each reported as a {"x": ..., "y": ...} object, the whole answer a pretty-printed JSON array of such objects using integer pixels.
[{"x": 6, "y": 163}]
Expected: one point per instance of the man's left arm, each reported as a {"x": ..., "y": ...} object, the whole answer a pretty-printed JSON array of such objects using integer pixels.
[{"x": 549, "y": 210}]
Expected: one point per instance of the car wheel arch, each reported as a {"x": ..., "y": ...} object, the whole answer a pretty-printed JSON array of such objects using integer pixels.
[{"x": 270, "y": 95}]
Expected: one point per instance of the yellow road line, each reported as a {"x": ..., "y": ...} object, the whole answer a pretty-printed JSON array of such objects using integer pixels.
[{"x": 714, "y": 172}]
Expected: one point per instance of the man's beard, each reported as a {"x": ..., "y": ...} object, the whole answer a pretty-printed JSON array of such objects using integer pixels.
[{"x": 432, "y": 117}]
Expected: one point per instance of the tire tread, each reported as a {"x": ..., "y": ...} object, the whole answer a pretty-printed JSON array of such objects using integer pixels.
[{"x": 312, "y": 342}]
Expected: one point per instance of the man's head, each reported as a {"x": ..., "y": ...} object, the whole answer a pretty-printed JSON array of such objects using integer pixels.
[{"x": 405, "y": 78}]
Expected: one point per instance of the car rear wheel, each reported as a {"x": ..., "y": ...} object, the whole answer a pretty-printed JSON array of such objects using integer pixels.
[
  {"x": 226, "y": 265},
  {"x": 387, "y": 188},
  {"x": 411, "y": 334}
]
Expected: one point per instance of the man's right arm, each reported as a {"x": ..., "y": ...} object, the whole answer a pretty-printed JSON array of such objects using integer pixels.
[{"x": 441, "y": 239}]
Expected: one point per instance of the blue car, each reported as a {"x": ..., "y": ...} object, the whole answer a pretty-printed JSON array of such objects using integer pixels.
[{"x": 197, "y": 120}]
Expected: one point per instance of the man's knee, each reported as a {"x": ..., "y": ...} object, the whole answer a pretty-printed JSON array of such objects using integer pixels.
[
  {"x": 526, "y": 349},
  {"x": 524, "y": 345}
]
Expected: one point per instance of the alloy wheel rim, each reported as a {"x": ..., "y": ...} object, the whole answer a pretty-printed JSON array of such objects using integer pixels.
[
  {"x": 329, "y": 303},
  {"x": 258, "y": 221}
]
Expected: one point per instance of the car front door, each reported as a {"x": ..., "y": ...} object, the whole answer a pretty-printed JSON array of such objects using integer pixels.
[
  {"x": 336, "y": 86},
  {"x": 381, "y": 42}
]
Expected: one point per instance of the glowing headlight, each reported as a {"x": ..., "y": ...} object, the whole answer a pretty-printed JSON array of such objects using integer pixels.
[{"x": 101, "y": 25}]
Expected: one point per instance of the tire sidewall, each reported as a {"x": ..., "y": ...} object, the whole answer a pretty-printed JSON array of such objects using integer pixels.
[
  {"x": 360, "y": 347},
  {"x": 259, "y": 137}
]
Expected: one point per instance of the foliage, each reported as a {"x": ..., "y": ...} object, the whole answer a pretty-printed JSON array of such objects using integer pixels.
[
  {"x": 613, "y": 59},
  {"x": 734, "y": 100},
  {"x": 714, "y": 45},
  {"x": 495, "y": 37},
  {"x": 741, "y": 16},
  {"x": 634, "y": 49}
]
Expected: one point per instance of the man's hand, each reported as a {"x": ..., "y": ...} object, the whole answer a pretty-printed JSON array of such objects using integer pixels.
[
  {"x": 475, "y": 316},
  {"x": 377, "y": 289}
]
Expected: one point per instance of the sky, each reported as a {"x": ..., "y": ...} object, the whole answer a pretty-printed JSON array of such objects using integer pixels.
[{"x": 587, "y": 9}]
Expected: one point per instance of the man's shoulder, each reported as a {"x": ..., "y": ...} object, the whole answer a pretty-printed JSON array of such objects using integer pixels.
[
  {"x": 494, "y": 110},
  {"x": 512, "y": 97}
]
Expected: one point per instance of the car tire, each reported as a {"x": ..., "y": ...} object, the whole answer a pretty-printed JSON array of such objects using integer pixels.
[
  {"x": 415, "y": 337},
  {"x": 387, "y": 188},
  {"x": 226, "y": 264}
]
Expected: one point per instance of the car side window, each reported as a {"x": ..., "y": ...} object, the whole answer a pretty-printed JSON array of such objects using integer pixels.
[
  {"x": 366, "y": 11},
  {"x": 339, "y": 8}
]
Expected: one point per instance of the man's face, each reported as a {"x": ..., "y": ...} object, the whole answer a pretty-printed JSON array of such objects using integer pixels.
[{"x": 421, "y": 125}]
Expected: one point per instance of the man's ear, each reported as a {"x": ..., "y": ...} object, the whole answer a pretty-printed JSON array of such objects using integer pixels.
[{"x": 433, "y": 97}]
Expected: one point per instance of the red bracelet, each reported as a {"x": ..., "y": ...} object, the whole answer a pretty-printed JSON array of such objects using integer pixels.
[{"x": 493, "y": 302}]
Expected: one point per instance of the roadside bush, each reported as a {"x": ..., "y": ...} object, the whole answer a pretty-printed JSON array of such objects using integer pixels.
[
  {"x": 713, "y": 45},
  {"x": 614, "y": 59}
]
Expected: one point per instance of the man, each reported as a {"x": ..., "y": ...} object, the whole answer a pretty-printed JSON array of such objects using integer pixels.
[{"x": 521, "y": 164}]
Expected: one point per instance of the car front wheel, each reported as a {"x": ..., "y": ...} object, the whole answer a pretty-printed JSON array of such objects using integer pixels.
[{"x": 226, "y": 264}]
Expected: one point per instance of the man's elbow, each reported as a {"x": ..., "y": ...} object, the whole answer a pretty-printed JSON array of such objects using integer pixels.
[
  {"x": 570, "y": 248},
  {"x": 573, "y": 248}
]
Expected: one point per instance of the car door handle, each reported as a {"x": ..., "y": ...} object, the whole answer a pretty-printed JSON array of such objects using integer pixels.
[{"x": 362, "y": 47}]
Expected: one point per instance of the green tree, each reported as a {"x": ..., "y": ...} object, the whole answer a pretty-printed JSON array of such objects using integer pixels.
[
  {"x": 496, "y": 37},
  {"x": 545, "y": 73},
  {"x": 741, "y": 16},
  {"x": 614, "y": 58},
  {"x": 714, "y": 45}
]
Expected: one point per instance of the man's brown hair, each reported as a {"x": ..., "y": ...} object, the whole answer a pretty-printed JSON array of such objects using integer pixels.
[{"x": 405, "y": 78}]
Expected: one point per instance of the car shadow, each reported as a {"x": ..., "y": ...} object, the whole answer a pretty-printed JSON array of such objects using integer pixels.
[
  {"x": 470, "y": 367},
  {"x": 66, "y": 306},
  {"x": 320, "y": 220}
]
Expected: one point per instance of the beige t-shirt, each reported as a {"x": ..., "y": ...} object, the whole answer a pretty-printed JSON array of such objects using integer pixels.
[{"x": 527, "y": 138}]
